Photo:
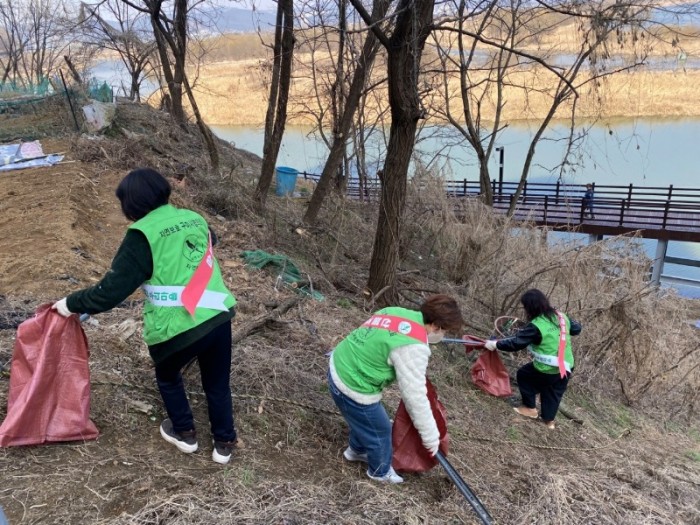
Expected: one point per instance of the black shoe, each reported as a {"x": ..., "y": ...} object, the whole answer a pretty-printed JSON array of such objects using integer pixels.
[
  {"x": 223, "y": 450},
  {"x": 184, "y": 441}
]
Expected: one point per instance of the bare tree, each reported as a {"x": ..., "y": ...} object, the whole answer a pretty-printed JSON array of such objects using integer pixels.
[
  {"x": 346, "y": 108},
  {"x": 412, "y": 23},
  {"x": 276, "y": 117},
  {"x": 13, "y": 40},
  {"x": 171, "y": 32},
  {"x": 124, "y": 33},
  {"x": 33, "y": 37},
  {"x": 497, "y": 47}
]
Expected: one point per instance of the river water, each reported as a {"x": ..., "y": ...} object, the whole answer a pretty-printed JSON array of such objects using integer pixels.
[{"x": 644, "y": 152}]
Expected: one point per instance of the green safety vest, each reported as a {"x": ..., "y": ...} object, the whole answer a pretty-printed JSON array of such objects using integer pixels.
[
  {"x": 178, "y": 239},
  {"x": 361, "y": 359},
  {"x": 545, "y": 354}
]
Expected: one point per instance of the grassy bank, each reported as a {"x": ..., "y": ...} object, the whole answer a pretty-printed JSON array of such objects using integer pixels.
[{"x": 233, "y": 83}]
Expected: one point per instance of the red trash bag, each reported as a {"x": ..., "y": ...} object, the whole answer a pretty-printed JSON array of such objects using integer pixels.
[
  {"x": 490, "y": 375},
  {"x": 49, "y": 396},
  {"x": 409, "y": 453}
]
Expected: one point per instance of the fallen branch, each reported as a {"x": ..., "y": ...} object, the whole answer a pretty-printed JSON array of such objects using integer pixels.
[
  {"x": 568, "y": 413},
  {"x": 260, "y": 321}
]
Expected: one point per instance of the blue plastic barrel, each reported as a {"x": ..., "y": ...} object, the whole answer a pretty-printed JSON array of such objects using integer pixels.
[{"x": 286, "y": 180}]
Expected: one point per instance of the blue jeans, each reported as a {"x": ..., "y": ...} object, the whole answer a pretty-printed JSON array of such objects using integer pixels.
[
  {"x": 213, "y": 352},
  {"x": 370, "y": 430}
]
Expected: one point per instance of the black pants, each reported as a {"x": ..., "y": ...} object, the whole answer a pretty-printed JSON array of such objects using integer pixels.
[
  {"x": 550, "y": 387},
  {"x": 213, "y": 352}
]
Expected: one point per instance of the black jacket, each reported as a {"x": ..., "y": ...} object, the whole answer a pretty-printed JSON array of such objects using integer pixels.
[
  {"x": 131, "y": 267},
  {"x": 530, "y": 335}
]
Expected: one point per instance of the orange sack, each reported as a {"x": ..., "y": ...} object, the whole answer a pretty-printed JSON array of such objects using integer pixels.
[
  {"x": 409, "y": 453},
  {"x": 490, "y": 375},
  {"x": 49, "y": 397}
]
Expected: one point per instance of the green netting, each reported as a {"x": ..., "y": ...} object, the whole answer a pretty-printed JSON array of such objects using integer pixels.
[
  {"x": 13, "y": 88},
  {"x": 101, "y": 92},
  {"x": 285, "y": 270}
]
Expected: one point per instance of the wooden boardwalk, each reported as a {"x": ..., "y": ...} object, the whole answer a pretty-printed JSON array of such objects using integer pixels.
[
  {"x": 666, "y": 221},
  {"x": 665, "y": 213}
]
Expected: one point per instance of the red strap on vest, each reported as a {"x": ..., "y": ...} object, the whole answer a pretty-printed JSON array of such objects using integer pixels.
[
  {"x": 562, "y": 345},
  {"x": 398, "y": 325},
  {"x": 198, "y": 282}
]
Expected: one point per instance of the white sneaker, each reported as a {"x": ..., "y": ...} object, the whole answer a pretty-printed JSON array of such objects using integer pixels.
[
  {"x": 389, "y": 477},
  {"x": 351, "y": 455}
]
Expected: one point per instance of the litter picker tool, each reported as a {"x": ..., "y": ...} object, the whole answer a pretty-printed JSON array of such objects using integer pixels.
[
  {"x": 411, "y": 456},
  {"x": 462, "y": 486}
]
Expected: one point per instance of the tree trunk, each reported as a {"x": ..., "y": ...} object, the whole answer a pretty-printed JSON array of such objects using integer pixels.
[
  {"x": 337, "y": 152},
  {"x": 485, "y": 180},
  {"x": 166, "y": 44},
  {"x": 405, "y": 49},
  {"x": 203, "y": 128},
  {"x": 276, "y": 117}
]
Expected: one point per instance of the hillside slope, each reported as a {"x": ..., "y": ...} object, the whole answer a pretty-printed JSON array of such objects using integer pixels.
[{"x": 59, "y": 228}]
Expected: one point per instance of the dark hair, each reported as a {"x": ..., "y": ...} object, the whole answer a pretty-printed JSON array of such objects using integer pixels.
[
  {"x": 536, "y": 304},
  {"x": 142, "y": 191},
  {"x": 442, "y": 311}
]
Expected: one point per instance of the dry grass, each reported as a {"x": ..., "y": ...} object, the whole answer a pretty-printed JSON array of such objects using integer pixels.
[
  {"x": 643, "y": 346},
  {"x": 290, "y": 470},
  {"x": 234, "y": 91}
]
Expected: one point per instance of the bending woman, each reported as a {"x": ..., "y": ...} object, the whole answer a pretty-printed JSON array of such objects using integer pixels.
[
  {"x": 188, "y": 311},
  {"x": 547, "y": 337},
  {"x": 392, "y": 345}
]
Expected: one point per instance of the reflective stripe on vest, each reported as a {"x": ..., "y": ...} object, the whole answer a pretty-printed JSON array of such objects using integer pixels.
[
  {"x": 398, "y": 325},
  {"x": 550, "y": 360},
  {"x": 172, "y": 296},
  {"x": 557, "y": 361}
]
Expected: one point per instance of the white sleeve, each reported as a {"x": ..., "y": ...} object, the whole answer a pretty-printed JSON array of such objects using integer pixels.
[{"x": 411, "y": 365}]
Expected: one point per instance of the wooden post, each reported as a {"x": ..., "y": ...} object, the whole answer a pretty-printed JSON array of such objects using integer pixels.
[
  {"x": 556, "y": 201},
  {"x": 546, "y": 199},
  {"x": 525, "y": 192},
  {"x": 70, "y": 102},
  {"x": 666, "y": 208},
  {"x": 670, "y": 191},
  {"x": 465, "y": 187},
  {"x": 622, "y": 210},
  {"x": 629, "y": 196}
]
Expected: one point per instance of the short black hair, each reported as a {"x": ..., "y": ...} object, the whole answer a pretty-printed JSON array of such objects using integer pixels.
[
  {"x": 142, "y": 191},
  {"x": 536, "y": 304}
]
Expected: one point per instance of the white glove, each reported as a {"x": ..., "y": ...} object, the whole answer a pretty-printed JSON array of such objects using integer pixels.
[
  {"x": 490, "y": 345},
  {"x": 432, "y": 447},
  {"x": 62, "y": 308}
]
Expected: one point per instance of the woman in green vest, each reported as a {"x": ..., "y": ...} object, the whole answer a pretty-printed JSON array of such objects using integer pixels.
[
  {"x": 392, "y": 345},
  {"x": 188, "y": 310},
  {"x": 547, "y": 338}
]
